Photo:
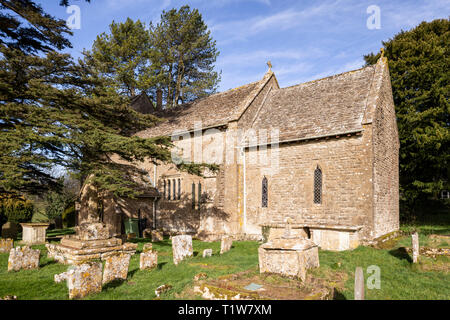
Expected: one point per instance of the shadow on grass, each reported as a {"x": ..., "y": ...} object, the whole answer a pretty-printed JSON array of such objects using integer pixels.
[
  {"x": 337, "y": 295},
  {"x": 401, "y": 253},
  {"x": 165, "y": 242},
  {"x": 139, "y": 240},
  {"x": 132, "y": 272},
  {"x": 114, "y": 284},
  {"x": 50, "y": 262},
  {"x": 160, "y": 265}
]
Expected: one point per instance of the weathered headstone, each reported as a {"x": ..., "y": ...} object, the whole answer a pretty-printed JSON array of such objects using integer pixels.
[
  {"x": 415, "y": 246},
  {"x": 6, "y": 245},
  {"x": 147, "y": 233},
  {"x": 181, "y": 248},
  {"x": 207, "y": 253},
  {"x": 359, "y": 284},
  {"x": 116, "y": 267},
  {"x": 157, "y": 236},
  {"x": 225, "y": 244},
  {"x": 23, "y": 258},
  {"x": 147, "y": 247},
  {"x": 82, "y": 279},
  {"x": 148, "y": 260}
]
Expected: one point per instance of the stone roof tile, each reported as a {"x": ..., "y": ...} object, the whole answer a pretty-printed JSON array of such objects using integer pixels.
[{"x": 332, "y": 105}]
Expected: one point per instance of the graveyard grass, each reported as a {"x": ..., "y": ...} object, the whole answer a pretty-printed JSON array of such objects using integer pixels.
[{"x": 400, "y": 279}]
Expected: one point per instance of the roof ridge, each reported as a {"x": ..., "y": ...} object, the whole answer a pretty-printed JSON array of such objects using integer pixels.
[{"x": 328, "y": 77}]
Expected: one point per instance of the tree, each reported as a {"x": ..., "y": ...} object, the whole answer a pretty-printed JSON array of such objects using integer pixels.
[
  {"x": 15, "y": 209},
  {"x": 123, "y": 56},
  {"x": 418, "y": 61},
  {"x": 58, "y": 113},
  {"x": 176, "y": 55},
  {"x": 184, "y": 56}
]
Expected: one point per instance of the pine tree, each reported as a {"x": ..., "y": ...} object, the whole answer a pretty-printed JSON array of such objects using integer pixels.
[
  {"x": 184, "y": 56},
  {"x": 123, "y": 57},
  {"x": 419, "y": 61}
]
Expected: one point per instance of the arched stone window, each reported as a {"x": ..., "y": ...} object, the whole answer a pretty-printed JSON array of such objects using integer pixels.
[
  {"x": 318, "y": 185},
  {"x": 264, "y": 199}
]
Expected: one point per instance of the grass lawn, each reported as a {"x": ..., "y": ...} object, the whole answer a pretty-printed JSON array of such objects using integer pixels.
[{"x": 400, "y": 279}]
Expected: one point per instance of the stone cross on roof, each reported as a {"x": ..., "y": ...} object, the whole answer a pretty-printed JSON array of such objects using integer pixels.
[{"x": 270, "y": 65}]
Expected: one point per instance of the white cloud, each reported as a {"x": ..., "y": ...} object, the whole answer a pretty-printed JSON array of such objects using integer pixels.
[{"x": 280, "y": 21}]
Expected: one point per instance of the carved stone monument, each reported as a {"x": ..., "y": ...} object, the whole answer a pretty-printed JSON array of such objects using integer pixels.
[
  {"x": 288, "y": 255},
  {"x": 92, "y": 241},
  {"x": 34, "y": 233}
]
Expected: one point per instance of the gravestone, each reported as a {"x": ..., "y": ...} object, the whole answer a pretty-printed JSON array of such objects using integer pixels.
[
  {"x": 225, "y": 244},
  {"x": 359, "y": 284},
  {"x": 82, "y": 279},
  {"x": 147, "y": 247},
  {"x": 181, "y": 248},
  {"x": 147, "y": 233},
  {"x": 415, "y": 246},
  {"x": 6, "y": 245},
  {"x": 207, "y": 253},
  {"x": 23, "y": 258},
  {"x": 157, "y": 236},
  {"x": 116, "y": 267},
  {"x": 148, "y": 260}
]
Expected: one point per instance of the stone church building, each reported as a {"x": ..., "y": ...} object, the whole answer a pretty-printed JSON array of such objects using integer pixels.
[{"x": 322, "y": 153}]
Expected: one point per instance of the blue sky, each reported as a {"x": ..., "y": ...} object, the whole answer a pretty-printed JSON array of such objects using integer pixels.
[{"x": 304, "y": 40}]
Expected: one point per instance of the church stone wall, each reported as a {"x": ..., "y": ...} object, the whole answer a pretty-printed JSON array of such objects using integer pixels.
[
  {"x": 386, "y": 162},
  {"x": 346, "y": 189}
]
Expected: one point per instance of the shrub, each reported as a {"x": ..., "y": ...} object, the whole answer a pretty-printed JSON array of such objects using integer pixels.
[{"x": 15, "y": 210}]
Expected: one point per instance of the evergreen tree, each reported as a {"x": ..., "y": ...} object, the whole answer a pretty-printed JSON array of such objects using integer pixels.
[
  {"x": 184, "y": 56},
  {"x": 123, "y": 57},
  {"x": 58, "y": 113},
  {"x": 419, "y": 61}
]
